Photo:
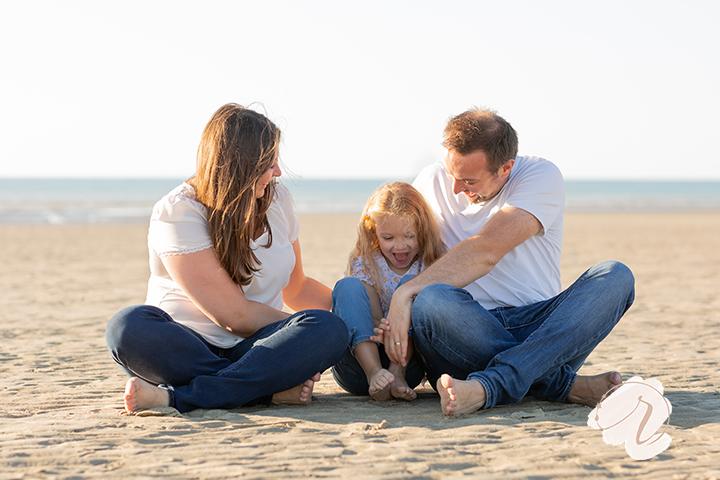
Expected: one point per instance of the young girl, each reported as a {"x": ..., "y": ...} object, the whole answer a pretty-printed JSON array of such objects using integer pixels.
[{"x": 397, "y": 236}]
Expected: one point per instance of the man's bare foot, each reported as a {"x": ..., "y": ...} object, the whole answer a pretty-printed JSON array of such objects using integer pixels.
[
  {"x": 298, "y": 395},
  {"x": 399, "y": 388},
  {"x": 458, "y": 397},
  {"x": 589, "y": 389},
  {"x": 379, "y": 385},
  {"x": 141, "y": 395}
]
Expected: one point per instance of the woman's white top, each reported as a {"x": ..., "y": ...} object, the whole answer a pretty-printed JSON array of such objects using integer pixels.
[{"x": 178, "y": 226}]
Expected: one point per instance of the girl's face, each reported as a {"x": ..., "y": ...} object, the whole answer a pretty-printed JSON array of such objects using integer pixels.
[
  {"x": 398, "y": 241},
  {"x": 266, "y": 178}
]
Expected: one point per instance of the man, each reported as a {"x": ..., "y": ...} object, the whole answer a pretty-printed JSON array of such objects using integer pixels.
[{"x": 488, "y": 319}]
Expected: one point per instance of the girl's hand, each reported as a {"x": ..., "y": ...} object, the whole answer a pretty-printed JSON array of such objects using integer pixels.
[{"x": 380, "y": 331}]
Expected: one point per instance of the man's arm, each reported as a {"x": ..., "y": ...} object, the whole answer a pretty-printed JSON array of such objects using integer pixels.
[{"x": 462, "y": 265}]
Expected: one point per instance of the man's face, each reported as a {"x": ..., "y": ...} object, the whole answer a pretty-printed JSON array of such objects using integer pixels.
[{"x": 470, "y": 175}]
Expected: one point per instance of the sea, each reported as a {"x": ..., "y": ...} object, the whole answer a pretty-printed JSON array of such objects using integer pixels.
[{"x": 130, "y": 200}]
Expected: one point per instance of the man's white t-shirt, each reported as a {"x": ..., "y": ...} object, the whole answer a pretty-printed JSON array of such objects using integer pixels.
[
  {"x": 531, "y": 271},
  {"x": 178, "y": 226}
]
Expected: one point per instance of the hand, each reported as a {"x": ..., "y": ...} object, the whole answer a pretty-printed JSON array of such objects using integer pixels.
[
  {"x": 380, "y": 331},
  {"x": 398, "y": 319}
]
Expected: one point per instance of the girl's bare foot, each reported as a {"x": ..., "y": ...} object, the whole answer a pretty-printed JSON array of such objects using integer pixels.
[
  {"x": 458, "y": 397},
  {"x": 399, "y": 388},
  {"x": 141, "y": 395},
  {"x": 379, "y": 385},
  {"x": 589, "y": 389},
  {"x": 298, "y": 395}
]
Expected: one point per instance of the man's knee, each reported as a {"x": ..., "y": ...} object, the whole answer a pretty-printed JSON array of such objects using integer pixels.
[
  {"x": 621, "y": 278},
  {"x": 430, "y": 303}
]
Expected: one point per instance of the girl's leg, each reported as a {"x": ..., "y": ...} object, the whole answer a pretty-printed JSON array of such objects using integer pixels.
[
  {"x": 283, "y": 355},
  {"x": 399, "y": 388},
  {"x": 356, "y": 303}
]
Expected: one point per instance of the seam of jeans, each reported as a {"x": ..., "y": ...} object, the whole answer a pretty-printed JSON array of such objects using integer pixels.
[
  {"x": 490, "y": 396},
  {"x": 359, "y": 340}
]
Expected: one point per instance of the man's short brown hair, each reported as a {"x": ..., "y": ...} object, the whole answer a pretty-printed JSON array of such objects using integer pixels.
[{"x": 478, "y": 129}]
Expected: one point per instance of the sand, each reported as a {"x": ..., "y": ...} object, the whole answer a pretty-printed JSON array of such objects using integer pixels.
[{"x": 61, "y": 412}]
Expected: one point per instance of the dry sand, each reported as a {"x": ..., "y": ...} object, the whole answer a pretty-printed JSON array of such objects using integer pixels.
[{"x": 61, "y": 411}]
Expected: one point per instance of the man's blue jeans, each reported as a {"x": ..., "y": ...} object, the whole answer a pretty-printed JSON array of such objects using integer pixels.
[
  {"x": 147, "y": 343},
  {"x": 352, "y": 304},
  {"x": 513, "y": 351}
]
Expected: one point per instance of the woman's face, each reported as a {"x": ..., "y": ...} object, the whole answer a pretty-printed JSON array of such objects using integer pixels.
[{"x": 266, "y": 178}]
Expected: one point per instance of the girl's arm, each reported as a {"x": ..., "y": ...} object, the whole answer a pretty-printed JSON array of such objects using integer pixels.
[
  {"x": 211, "y": 289},
  {"x": 302, "y": 292}
]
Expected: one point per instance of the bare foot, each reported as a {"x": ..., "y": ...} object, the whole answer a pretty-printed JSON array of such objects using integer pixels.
[
  {"x": 589, "y": 389},
  {"x": 458, "y": 397},
  {"x": 379, "y": 384},
  {"x": 399, "y": 388},
  {"x": 298, "y": 395},
  {"x": 141, "y": 395}
]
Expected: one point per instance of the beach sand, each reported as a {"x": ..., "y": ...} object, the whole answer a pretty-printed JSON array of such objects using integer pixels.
[{"x": 61, "y": 411}]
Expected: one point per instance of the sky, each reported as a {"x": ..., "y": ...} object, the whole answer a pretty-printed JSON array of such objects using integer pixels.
[{"x": 606, "y": 90}]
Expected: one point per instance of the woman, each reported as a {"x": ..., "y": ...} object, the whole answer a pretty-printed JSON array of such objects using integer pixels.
[{"x": 224, "y": 254}]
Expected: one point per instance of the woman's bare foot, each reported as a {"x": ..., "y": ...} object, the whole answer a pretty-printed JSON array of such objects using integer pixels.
[
  {"x": 141, "y": 395},
  {"x": 399, "y": 388},
  {"x": 458, "y": 397},
  {"x": 379, "y": 385},
  {"x": 589, "y": 389},
  {"x": 298, "y": 395}
]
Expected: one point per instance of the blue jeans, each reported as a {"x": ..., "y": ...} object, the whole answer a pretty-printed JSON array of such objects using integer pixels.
[
  {"x": 513, "y": 351},
  {"x": 147, "y": 343},
  {"x": 352, "y": 304}
]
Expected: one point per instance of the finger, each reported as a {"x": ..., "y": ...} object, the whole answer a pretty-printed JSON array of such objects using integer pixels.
[
  {"x": 316, "y": 377},
  {"x": 403, "y": 353}
]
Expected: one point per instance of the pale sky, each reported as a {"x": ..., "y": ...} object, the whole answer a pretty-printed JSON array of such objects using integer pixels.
[{"x": 606, "y": 90}]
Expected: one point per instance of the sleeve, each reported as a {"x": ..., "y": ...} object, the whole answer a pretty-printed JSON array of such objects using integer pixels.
[
  {"x": 178, "y": 225},
  {"x": 287, "y": 206},
  {"x": 357, "y": 271},
  {"x": 540, "y": 191}
]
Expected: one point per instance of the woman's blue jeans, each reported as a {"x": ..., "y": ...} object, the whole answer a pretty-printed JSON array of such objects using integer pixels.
[
  {"x": 514, "y": 351},
  {"x": 352, "y": 304},
  {"x": 147, "y": 343}
]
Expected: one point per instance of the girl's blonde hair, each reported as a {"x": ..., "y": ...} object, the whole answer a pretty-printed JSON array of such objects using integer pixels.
[{"x": 398, "y": 199}]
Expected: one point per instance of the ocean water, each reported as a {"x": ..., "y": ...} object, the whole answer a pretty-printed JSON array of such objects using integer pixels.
[{"x": 61, "y": 201}]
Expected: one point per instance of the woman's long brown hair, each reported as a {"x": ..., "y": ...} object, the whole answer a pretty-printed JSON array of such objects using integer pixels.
[{"x": 237, "y": 146}]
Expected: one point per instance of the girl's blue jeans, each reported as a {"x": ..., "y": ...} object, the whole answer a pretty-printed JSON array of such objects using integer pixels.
[
  {"x": 514, "y": 351},
  {"x": 352, "y": 304},
  {"x": 147, "y": 343}
]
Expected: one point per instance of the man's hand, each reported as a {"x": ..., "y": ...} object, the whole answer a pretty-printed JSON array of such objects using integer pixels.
[{"x": 398, "y": 320}]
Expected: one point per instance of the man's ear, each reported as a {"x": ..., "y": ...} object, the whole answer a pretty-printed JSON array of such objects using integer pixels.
[{"x": 506, "y": 168}]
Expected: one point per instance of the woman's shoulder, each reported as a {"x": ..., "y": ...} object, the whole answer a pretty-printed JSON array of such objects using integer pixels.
[{"x": 179, "y": 203}]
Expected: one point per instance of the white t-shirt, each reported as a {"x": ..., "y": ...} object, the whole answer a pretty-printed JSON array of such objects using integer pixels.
[
  {"x": 531, "y": 271},
  {"x": 178, "y": 226}
]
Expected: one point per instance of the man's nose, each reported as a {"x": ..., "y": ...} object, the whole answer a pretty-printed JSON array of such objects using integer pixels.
[{"x": 457, "y": 187}]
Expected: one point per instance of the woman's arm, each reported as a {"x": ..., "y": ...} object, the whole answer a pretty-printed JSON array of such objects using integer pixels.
[
  {"x": 211, "y": 289},
  {"x": 302, "y": 292}
]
